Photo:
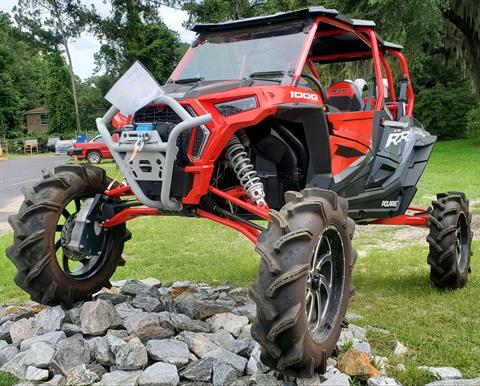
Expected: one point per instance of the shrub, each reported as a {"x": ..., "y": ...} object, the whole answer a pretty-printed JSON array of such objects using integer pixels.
[
  {"x": 443, "y": 109},
  {"x": 473, "y": 123}
]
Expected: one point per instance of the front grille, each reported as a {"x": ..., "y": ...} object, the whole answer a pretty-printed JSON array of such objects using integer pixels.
[
  {"x": 165, "y": 115},
  {"x": 156, "y": 113}
]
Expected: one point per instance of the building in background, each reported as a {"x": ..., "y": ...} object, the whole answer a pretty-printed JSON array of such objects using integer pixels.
[{"x": 37, "y": 120}]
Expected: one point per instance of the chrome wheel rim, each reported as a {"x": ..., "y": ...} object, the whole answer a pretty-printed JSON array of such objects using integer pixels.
[
  {"x": 94, "y": 158},
  {"x": 461, "y": 242},
  {"x": 325, "y": 283}
]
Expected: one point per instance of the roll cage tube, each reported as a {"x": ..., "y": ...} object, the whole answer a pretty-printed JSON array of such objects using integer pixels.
[
  {"x": 406, "y": 74},
  {"x": 369, "y": 37}
]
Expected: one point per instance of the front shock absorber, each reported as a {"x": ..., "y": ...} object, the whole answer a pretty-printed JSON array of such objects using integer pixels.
[{"x": 242, "y": 166}]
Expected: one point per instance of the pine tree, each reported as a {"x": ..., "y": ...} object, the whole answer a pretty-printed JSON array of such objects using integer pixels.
[{"x": 61, "y": 115}]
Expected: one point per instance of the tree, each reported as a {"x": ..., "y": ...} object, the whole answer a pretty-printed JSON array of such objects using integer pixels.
[
  {"x": 53, "y": 23},
  {"x": 134, "y": 31},
  {"x": 463, "y": 36},
  {"x": 61, "y": 114}
]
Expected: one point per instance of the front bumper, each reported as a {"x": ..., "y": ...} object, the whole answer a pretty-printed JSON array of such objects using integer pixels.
[{"x": 166, "y": 152}]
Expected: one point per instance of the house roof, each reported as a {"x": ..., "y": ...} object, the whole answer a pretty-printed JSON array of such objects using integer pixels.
[{"x": 37, "y": 110}]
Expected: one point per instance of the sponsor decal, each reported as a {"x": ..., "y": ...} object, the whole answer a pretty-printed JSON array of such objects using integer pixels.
[
  {"x": 389, "y": 204},
  {"x": 303, "y": 95},
  {"x": 402, "y": 136}
]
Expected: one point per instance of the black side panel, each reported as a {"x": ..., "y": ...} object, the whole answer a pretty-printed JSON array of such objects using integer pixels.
[
  {"x": 312, "y": 117},
  {"x": 399, "y": 162}
]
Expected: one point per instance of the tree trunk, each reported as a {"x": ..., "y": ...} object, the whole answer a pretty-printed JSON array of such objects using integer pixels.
[
  {"x": 472, "y": 42},
  {"x": 74, "y": 87}
]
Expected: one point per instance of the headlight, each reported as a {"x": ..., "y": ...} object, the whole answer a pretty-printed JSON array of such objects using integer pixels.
[{"x": 236, "y": 106}]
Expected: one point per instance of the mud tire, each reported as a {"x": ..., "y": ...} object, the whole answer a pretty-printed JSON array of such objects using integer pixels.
[
  {"x": 450, "y": 240},
  {"x": 286, "y": 249},
  {"x": 33, "y": 251}
]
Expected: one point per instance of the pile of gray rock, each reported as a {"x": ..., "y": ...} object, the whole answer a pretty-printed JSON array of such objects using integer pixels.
[{"x": 143, "y": 333}]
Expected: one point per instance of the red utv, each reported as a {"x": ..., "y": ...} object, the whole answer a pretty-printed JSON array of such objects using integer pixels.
[
  {"x": 252, "y": 126},
  {"x": 93, "y": 151}
]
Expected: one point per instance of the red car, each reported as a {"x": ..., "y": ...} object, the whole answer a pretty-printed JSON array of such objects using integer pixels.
[{"x": 92, "y": 151}]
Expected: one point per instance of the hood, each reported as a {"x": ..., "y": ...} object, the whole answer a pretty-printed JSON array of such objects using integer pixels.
[{"x": 194, "y": 90}]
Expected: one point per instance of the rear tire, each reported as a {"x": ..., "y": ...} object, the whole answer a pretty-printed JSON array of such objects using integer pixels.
[
  {"x": 37, "y": 226},
  {"x": 294, "y": 270},
  {"x": 94, "y": 157},
  {"x": 450, "y": 240}
]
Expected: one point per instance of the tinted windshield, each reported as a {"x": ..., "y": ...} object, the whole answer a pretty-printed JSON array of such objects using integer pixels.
[{"x": 238, "y": 54}]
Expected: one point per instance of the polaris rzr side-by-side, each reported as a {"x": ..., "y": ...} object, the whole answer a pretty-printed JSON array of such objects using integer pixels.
[{"x": 251, "y": 127}]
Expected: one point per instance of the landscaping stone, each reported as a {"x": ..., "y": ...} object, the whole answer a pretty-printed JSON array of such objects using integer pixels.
[
  {"x": 147, "y": 330},
  {"x": 441, "y": 373},
  {"x": 16, "y": 366},
  {"x": 362, "y": 346},
  {"x": 100, "y": 351},
  {"x": 313, "y": 381},
  {"x": 183, "y": 322},
  {"x": 70, "y": 353},
  {"x": 53, "y": 338},
  {"x": 57, "y": 380},
  {"x": 222, "y": 339},
  {"x": 264, "y": 380},
  {"x": 36, "y": 374},
  {"x": 159, "y": 374},
  {"x": 229, "y": 322},
  {"x": 7, "y": 354},
  {"x": 357, "y": 332},
  {"x": 112, "y": 297},
  {"x": 380, "y": 363},
  {"x": 198, "y": 343},
  {"x": 49, "y": 319},
  {"x": 255, "y": 365},
  {"x": 170, "y": 351},
  {"x": 136, "y": 287},
  {"x": 39, "y": 355},
  {"x": 71, "y": 329},
  {"x": 81, "y": 376},
  {"x": 199, "y": 371},
  {"x": 115, "y": 343},
  {"x": 355, "y": 363},
  {"x": 98, "y": 316},
  {"x": 241, "y": 347},
  {"x": 133, "y": 321},
  {"x": 198, "y": 309},
  {"x": 132, "y": 356},
  {"x": 3, "y": 344},
  {"x": 399, "y": 349},
  {"x": 249, "y": 310},
  {"x": 120, "y": 378},
  {"x": 149, "y": 303},
  {"x": 22, "y": 329},
  {"x": 337, "y": 380},
  {"x": 238, "y": 362},
  {"x": 350, "y": 316},
  {"x": 382, "y": 381},
  {"x": 456, "y": 382},
  {"x": 73, "y": 315},
  {"x": 5, "y": 330},
  {"x": 224, "y": 374}
]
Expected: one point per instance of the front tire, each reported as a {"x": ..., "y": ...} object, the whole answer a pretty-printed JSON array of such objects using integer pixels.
[
  {"x": 304, "y": 281},
  {"x": 450, "y": 240},
  {"x": 47, "y": 270}
]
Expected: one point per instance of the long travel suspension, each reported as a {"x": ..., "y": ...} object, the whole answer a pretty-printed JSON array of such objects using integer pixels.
[{"x": 237, "y": 157}]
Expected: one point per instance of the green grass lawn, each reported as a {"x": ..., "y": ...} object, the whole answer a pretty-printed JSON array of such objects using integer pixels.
[{"x": 393, "y": 290}]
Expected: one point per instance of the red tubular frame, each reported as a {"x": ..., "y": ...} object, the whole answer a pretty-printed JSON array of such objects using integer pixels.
[{"x": 418, "y": 219}]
